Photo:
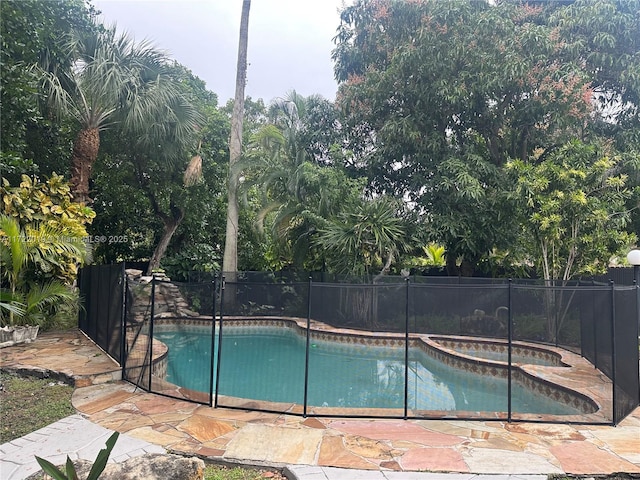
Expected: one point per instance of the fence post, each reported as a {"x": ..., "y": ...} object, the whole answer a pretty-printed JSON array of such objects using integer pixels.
[
  {"x": 123, "y": 319},
  {"x": 150, "y": 340},
  {"x": 222, "y": 285},
  {"x": 555, "y": 312},
  {"x": 613, "y": 351},
  {"x": 406, "y": 349},
  {"x": 306, "y": 362},
  {"x": 635, "y": 282},
  {"x": 213, "y": 339},
  {"x": 636, "y": 275},
  {"x": 509, "y": 347}
]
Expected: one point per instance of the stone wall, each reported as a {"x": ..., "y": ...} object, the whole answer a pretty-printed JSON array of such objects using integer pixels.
[{"x": 168, "y": 303}]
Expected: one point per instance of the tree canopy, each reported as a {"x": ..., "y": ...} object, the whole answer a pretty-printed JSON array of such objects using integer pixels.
[
  {"x": 493, "y": 136},
  {"x": 445, "y": 94}
]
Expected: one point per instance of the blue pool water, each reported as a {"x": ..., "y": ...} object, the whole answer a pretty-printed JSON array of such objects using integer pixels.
[{"x": 268, "y": 364}]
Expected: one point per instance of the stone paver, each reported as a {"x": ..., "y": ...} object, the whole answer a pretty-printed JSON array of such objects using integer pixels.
[
  {"x": 307, "y": 472},
  {"x": 280, "y": 445},
  {"x": 313, "y": 447},
  {"x": 73, "y": 436}
]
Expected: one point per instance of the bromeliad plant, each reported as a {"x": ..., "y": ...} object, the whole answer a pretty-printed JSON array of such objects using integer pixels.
[{"x": 70, "y": 471}]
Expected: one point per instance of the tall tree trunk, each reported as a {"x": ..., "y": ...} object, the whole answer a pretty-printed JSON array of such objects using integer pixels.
[
  {"x": 171, "y": 224},
  {"x": 85, "y": 153},
  {"x": 230, "y": 259}
]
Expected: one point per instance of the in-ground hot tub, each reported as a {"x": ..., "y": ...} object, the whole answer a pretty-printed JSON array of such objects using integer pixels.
[{"x": 496, "y": 350}]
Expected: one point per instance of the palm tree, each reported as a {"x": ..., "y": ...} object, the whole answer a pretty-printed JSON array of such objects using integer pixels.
[
  {"x": 112, "y": 80},
  {"x": 230, "y": 258},
  {"x": 299, "y": 194},
  {"x": 290, "y": 115},
  {"x": 21, "y": 249},
  {"x": 366, "y": 236}
]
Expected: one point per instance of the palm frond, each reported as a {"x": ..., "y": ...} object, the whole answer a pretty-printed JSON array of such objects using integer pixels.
[
  {"x": 46, "y": 295},
  {"x": 193, "y": 173},
  {"x": 10, "y": 303}
]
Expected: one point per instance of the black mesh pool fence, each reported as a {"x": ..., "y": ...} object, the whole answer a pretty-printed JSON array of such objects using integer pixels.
[{"x": 398, "y": 349}]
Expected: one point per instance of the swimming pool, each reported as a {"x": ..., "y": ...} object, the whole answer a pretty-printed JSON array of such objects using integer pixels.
[{"x": 268, "y": 364}]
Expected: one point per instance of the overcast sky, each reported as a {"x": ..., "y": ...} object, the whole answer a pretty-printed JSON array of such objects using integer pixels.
[{"x": 290, "y": 41}]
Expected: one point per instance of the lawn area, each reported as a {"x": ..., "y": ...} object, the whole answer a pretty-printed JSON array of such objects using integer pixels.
[{"x": 28, "y": 404}]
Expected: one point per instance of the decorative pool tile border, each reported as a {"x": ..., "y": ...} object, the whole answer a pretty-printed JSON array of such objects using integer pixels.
[
  {"x": 469, "y": 347},
  {"x": 442, "y": 348}
]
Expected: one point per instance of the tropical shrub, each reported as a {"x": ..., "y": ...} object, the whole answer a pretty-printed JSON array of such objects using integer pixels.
[
  {"x": 43, "y": 240},
  {"x": 198, "y": 257},
  {"x": 431, "y": 255},
  {"x": 47, "y": 212},
  {"x": 26, "y": 301}
]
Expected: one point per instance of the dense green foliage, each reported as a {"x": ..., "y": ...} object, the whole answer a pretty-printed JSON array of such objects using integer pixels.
[
  {"x": 500, "y": 138},
  {"x": 443, "y": 94},
  {"x": 43, "y": 241},
  {"x": 47, "y": 207},
  {"x": 572, "y": 203},
  {"x": 32, "y": 32}
]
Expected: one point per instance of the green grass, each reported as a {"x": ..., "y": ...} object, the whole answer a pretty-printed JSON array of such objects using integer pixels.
[
  {"x": 216, "y": 472},
  {"x": 28, "y": 404}
]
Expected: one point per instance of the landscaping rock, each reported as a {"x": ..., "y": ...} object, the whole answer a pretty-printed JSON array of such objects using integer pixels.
[
  {"x": 149, "y": 467},
  {"x": 133, "y": 273}
]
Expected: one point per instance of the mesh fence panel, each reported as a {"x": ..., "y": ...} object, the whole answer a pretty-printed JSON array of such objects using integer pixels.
[
  {"x": 93, "y": 304},
  {"x": 183, "y": 340},
  {"x": 562, "y": 316},
  {"x": 354, "y": 378},
  {"x": 627, "y": 381},
  {"x": 185, "y": 372},
  {"x": 260, "y": 366},
  {"x": 603, "y": 331},
  {"x": 473, "y": 310},
  {"x": 533, "y": 315},
  {"x": 137, "y": 334},
  {"x": 362, "y": 371},
  {"x": 178, "y": 317},
  {"x": 115, "y": 292},
  {"x": 569, "y": 301},
  {"x": 440, "y": 387},
  {"x": 595, "y": 309},
  {"x": 360, "y": 307},
  {"x": 84, "y": 285},
  {"x": 439, "y": 384},
  {"x": 101, "y": 288},
  {"x": 265, "y": 299}
]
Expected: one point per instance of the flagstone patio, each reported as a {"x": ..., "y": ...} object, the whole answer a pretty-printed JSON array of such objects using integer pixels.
[{"x": 278, "y": 439}]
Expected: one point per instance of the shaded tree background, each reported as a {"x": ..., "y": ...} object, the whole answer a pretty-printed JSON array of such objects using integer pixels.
[{"x": 437, "y": 104}]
